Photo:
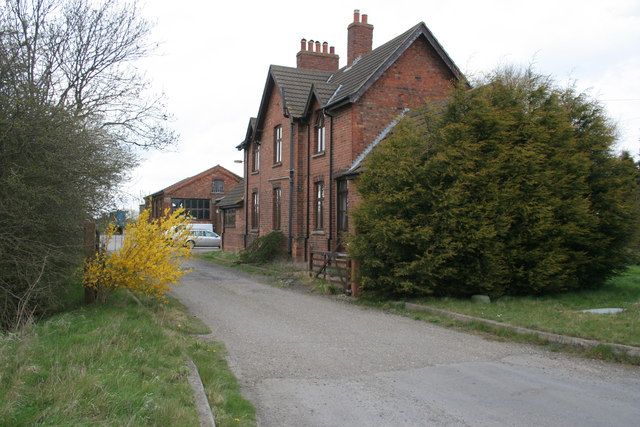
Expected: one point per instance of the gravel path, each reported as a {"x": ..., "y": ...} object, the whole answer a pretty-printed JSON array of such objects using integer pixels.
[{"x": 307, "y": 360}]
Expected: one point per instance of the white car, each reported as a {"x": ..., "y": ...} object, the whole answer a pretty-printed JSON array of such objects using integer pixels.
[{"x": 203, "y": 238}]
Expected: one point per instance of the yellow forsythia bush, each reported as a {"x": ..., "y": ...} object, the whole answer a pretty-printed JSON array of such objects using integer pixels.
[{"x": 149, "y": 260}]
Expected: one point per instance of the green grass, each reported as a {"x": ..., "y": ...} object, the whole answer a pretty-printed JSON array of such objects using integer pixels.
[
  {"x": 118, "y": 363},
  {"x": 561, "y": 313},
  {"x": 602, "y": 352}
]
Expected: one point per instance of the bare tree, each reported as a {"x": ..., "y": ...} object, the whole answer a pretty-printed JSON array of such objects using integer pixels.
[{"x": 82, "y": 55}]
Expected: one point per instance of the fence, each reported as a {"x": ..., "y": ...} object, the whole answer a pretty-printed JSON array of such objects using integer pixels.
[{"x": 335, "y": 267}]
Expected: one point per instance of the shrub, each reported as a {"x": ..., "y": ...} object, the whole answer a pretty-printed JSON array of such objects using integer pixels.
[
  {"x": 263, "y": 249},
  {"x": 149, "y": 260},
  {"x": 510, "y": 188}
]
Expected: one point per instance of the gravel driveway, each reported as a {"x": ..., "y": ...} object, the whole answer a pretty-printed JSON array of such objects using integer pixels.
[{"x": 308, "y": 360}]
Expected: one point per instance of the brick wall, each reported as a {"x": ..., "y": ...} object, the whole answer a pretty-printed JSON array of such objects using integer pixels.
[
  {"x": 417, "y": 76},
  {"x": 201, "y": 187},
  {"x": 270, "y": 174},
  {"x": 233, "y": 237}
]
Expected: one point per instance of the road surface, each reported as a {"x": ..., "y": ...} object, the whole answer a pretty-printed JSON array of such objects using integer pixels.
[{"x": 305, "y": 360}]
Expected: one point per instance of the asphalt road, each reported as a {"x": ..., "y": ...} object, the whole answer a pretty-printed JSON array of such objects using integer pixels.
[{"x": 305, "y": 360}]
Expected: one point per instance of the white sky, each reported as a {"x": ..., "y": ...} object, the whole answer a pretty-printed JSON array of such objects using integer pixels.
[{"x": 213, "y": 59}]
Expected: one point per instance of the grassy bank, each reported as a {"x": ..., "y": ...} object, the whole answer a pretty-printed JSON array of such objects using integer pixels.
[
  {"x": 562, "y": 313},
  {"x": 118, "y": 363}
]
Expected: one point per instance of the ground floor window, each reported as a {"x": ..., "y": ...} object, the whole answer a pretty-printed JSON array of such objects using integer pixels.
[
  {"x": 197, "y": 208},
  {"x": 255, "y": 210},
  {"x": 229, "y": 218},
  {"x": 277, "y": 209},
  {"x": 319, "y": 206},
  {"x": 342, "y": 206}
]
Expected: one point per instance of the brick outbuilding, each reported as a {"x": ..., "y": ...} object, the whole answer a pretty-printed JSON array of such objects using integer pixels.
[
  {"x": 317, "y": 122},
  {"x": 197, "y": 194}
]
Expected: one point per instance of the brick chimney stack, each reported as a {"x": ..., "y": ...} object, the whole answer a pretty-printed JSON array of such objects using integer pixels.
[
  {"x": 360, "y": 37},
  {"x": 317, "y": 56}
]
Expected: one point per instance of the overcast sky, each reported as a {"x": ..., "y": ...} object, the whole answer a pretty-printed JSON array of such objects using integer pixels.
[{"x": 213, "y": 59}]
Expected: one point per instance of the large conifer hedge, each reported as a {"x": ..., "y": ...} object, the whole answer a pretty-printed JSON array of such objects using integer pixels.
[{"x": 512, "y": 187}]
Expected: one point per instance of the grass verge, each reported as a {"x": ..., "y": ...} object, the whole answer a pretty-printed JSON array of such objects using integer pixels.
[
  {"x": 562, "y": 314},
  {"x": 117, "y": 363},
  {"x": 602, "y": 352}
]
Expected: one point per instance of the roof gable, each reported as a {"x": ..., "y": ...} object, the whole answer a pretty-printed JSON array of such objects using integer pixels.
[
  {"x": 298, "y": 86},
  {"x": 178, "y": 185},
  {"x": 353, "y": 81}
]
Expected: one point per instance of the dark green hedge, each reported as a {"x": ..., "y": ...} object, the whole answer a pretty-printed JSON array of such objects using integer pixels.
[{"x": 513, "y": 187}]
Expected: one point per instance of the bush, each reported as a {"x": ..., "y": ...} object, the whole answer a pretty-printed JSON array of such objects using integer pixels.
[
  {"x": 263, "y": 249},
  {"x": 511, "y": 188},
  {"x": 149, "y": 260}
]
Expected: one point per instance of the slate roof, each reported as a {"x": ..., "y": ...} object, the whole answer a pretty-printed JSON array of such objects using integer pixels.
[
  {"x": 415, "y": 115},
  {"x": 298, "y": 86},
  {"x": 234, "y": 197},
  {"x": 356, "y": 166}
]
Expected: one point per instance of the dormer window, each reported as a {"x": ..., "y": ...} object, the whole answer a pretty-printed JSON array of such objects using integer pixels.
[
  {"x": 218, "y": 186},
  {"x": 320, "y": 134}
]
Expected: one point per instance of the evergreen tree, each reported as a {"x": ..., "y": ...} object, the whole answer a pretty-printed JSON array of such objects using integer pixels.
[{"x": 512, "y": 187}]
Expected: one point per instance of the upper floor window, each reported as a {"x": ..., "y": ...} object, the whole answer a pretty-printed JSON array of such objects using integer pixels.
[
  {"x": 319, "y": 211},
  {"x": 320, "y": 134},
  {"x": 277, "y": 144},
  {"x": 218, "y": 186},
  {"x": 255, "y": 158}
]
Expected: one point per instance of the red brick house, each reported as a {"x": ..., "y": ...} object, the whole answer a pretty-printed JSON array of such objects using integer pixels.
[
  {"x": 197, "y": 194},
  {"x": 317, "y": 122}
]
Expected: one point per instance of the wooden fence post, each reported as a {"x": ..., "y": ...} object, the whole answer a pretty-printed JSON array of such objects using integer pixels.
[
  {"x": 355, "y": 278},
  {"x": 91, "y": 244}
]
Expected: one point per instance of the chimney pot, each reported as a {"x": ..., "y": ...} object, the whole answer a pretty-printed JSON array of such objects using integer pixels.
[
  {"x": 359, "y": 38},
  {"x": 310, "y": 44},
  {"x": 325, "y": 47},
  {"x": 356, "y": 15},
  {"x": 303, "y": 44},
  {"x": 332, "y": 50},
  {"x": 318, "y": 47}
]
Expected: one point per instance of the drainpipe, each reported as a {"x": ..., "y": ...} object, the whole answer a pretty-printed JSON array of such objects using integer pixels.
[
  {"x": 291, "y": 172},
  {"x": 246, "y": 197},
  {"x": 306, "y": 239}
]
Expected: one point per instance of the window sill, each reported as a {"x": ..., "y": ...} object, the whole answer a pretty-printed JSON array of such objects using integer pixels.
[
  {"x": 317, "y": 233},
  {"x": 229, "y": 226},
  {"x": 278, "y": 164},
  {"x": 320, "y": 154}
]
